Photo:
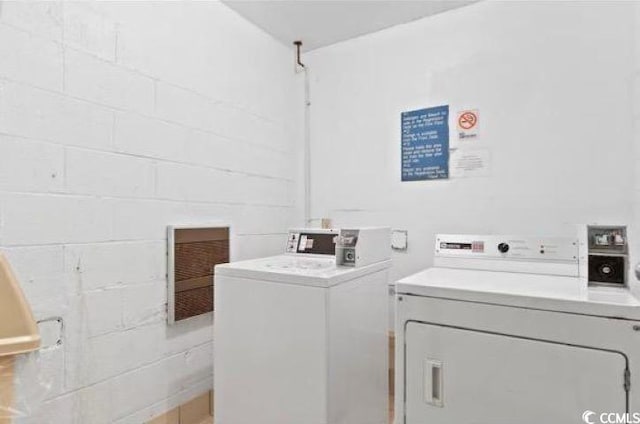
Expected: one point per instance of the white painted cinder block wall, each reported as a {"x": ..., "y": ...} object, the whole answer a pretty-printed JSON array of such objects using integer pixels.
[
  {"x": 115, "y": 121},
  {"x": 552, "y": 83}
]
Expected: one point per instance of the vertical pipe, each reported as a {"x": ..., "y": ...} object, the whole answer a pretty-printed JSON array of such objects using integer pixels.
[
  {"x": 307, "y": 133},
  {"x": 307, "y": 148}
]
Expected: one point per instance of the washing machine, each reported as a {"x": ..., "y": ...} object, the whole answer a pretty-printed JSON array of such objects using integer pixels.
[
  {"x": 506, "y": 330},
  {"x": 301, "y": 338}
]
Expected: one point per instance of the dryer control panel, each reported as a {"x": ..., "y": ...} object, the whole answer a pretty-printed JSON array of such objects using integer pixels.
[
  {"x": 507, "y": 247},
  {"x": 606, "y": 254}
]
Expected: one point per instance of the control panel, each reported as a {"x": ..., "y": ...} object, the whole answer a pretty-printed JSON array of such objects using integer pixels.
[
  {"x": 607, "y": 254},
  {"x": 363, "y": 246},
  {"x": 561, "y": 249},
  {"x": 347, "y": 246},
  {"x": 312, "y": 241}
]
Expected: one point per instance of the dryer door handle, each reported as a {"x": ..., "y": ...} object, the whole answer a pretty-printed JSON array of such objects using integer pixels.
[{"x": 433, "y": 379}]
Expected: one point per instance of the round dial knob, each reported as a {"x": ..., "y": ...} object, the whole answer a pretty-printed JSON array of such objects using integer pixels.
[
  {"x": 503, "y": 247},
  {"x": 607, "y": 270},
  {"x": 350, "y": 256}
]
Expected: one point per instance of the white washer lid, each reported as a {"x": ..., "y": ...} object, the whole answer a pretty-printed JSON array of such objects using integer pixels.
[
  {"x": 290, "y": 269},
  {"x": 545, "y": 292}
]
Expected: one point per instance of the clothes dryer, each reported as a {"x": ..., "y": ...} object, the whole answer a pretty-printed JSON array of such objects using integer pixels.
[{"x": 504, "y": 329}]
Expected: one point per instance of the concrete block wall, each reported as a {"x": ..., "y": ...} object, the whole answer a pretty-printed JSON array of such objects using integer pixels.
[{"x": 117, "y": 119}]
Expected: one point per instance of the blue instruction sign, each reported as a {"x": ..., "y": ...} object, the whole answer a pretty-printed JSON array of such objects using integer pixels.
[{"x": 425, "y": 144}]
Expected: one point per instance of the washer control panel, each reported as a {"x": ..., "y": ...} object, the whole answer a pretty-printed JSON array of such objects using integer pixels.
[
  {"x": 363, "y": 246},
  {"x": 311, "y": 241},
  {"x": 498, "y": 247}
]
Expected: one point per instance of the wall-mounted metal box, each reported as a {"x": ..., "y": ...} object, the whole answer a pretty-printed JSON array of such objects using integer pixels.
[{"x": 193, "y": 252}]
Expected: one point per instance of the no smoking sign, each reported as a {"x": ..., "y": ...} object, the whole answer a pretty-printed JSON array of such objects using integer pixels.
[{"x": 467, "y": 124}]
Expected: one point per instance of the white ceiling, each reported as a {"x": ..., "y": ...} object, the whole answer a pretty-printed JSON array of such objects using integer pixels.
[{"x": 319, "y": 23}]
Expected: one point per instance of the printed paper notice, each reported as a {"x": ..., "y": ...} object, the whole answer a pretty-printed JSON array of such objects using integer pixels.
[
  {"x": 466, "y": 163},
  {"x": 303, "y": 244},
  {"x": 425, "y": 144}
]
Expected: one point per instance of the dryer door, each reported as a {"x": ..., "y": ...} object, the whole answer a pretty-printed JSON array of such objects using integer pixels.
[{"x": 470, "y": 377}]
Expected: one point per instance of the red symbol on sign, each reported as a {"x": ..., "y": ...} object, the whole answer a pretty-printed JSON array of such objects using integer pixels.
[{"x": 467, "y": 120}]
